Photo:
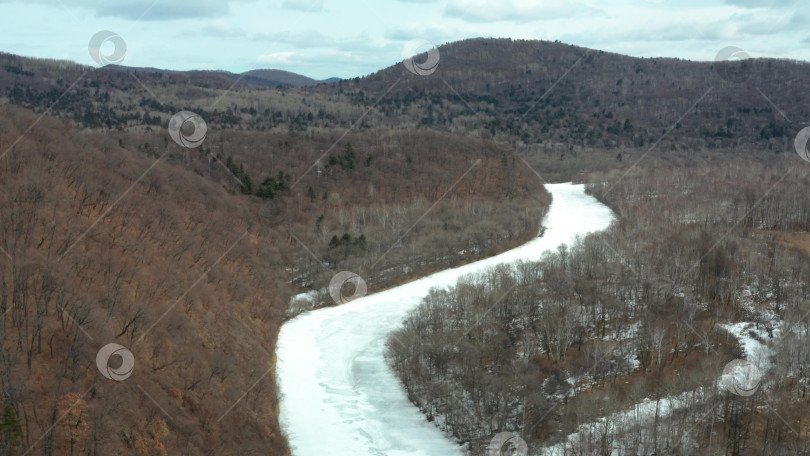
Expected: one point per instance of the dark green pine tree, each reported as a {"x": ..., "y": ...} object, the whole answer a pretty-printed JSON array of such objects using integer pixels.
[
  {"x": 335, "y": 242},
  {"x": 247, "y": 182},
  {"x": 267, "y": 189},
  {"x": 10, "y": 432},
  {"x": 231, "y": 165}
]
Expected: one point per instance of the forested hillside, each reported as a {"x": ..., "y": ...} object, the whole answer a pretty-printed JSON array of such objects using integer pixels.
[
  {"x": 111, "y": 232},
  {"x": 566, "y": 109},
  {"x": 571, "y": 110},
  {"x": 188, "y": 258},
  {"x": 615, "y": 345}
]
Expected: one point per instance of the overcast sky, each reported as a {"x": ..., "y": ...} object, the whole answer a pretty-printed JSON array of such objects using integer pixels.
[{"x": 324, "y": 38}]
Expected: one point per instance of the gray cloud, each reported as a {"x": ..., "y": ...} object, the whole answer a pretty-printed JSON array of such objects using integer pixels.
[
  {"x": 303, "y": 5},
  {"x": 515, "y": 10},
  {"x": 141, "y": 10},
  {"x": 222, "y": 31},
  {"x": 761, "y": 3},
  {"x": 161, "y": 11}
]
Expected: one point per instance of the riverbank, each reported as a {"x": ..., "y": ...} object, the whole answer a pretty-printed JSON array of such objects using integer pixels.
[{"x": 338, "y": 394}]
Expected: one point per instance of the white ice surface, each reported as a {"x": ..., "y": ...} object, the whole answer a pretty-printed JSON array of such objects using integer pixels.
[{"x": 338, "y": 395}]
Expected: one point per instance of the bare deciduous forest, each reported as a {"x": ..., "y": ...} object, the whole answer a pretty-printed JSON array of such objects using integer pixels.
[
  {"x": 644, "y": 311},
  {"x": 612, "y": 345},
  {"x": 202, "y": 268}
]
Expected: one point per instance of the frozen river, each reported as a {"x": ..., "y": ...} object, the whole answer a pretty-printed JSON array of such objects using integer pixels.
[{"x": 338, "y": 395}]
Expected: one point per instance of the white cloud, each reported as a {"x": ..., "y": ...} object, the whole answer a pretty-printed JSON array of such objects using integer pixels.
[
  {"x": 515, "y": 10},
  {"x": 436, "y": 34},
  {"x": 300, "y": 39},
  {"x": 355, "y": 37},
  {"x": 303, "y": 5},
  {"x": 276, "y": 58}
]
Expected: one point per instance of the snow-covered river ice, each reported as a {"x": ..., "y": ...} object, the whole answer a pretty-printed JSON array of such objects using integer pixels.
[{"x": 338, "y": 395}]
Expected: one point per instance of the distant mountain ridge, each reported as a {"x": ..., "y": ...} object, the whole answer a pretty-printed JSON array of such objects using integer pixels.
[
  {"x": 261, "y": 77},
  {"x": 279, "y": 78},
  {"x": 265, "y": 77},
  {"x": 566, "y": 107}
]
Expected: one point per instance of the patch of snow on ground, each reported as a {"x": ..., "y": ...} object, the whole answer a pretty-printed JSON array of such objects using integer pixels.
[
  {"x": 641, "y": 414},
  {"x": 755, "y": 341}
]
